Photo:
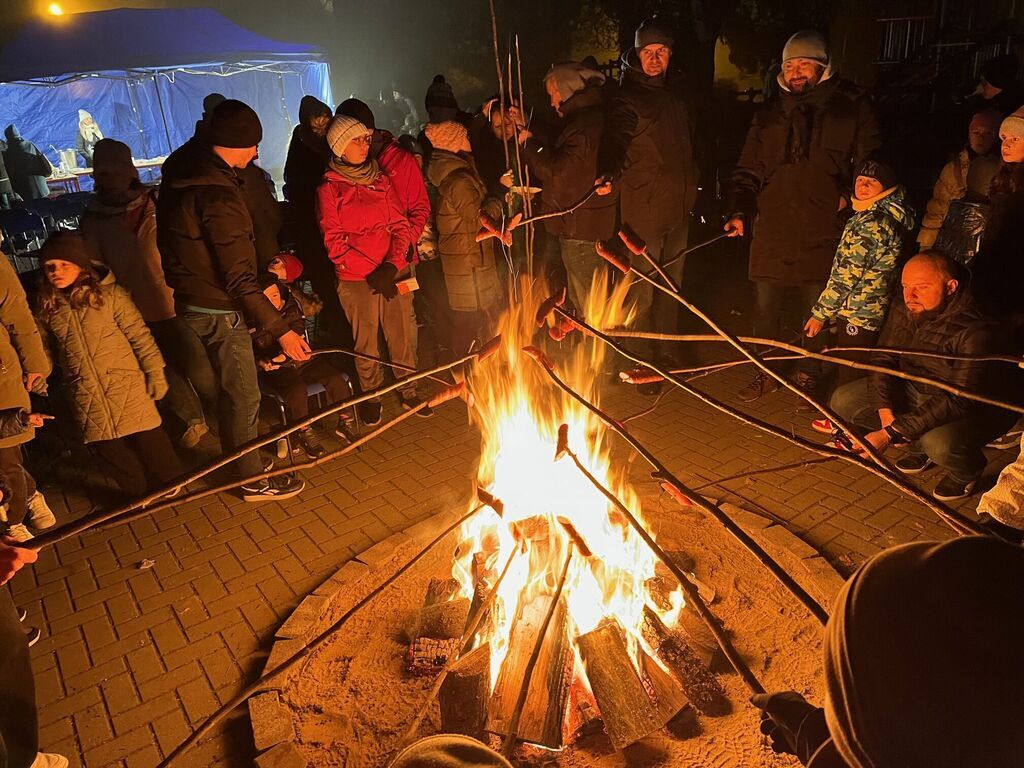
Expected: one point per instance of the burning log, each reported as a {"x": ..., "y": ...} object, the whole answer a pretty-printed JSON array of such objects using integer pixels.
[
  {"x": 543, "y": 714},
  {"x": 626, "y": 707},
  {"x": 464, "y": 694},
  {"x": 441, "y": 624},
  {"x": 698, "y": 682}
]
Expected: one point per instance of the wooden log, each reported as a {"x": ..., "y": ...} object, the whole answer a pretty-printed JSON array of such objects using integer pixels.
[
  {"x": 665, "y": 688},
  {"x": 698, "y": 682},
  {"x": 626, "y": 708},
  {"x": 464, "y": 694},
  {"x": 439, "y": 629},
  {"x": 543, "y": 718}
]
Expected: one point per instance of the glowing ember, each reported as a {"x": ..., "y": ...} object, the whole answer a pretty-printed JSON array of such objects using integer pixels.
[{"x": 519, "y": 414}]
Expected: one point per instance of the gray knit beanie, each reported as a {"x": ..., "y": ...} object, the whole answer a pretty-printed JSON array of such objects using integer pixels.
[
  {"x": 807, "y": 44},
  {"x": 652, "y": 32},
  {"x": 341, "y": 131}
]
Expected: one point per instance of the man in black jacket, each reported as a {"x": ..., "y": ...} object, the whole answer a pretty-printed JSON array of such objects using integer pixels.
[
  {"x": 790, "y": 184},
  {"x": 936, "y": 315},
  {"x": 27, "y": 167},
  {"x": 566, "y": 170},
  {"x": 205, "y": 236},
  {"x": 646, "y": 153}
]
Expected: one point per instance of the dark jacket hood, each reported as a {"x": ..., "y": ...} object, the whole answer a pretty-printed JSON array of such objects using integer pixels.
[
  {"x": 12, "y": 133},
  {"x": 311, "y": 107},
  {"x": 444, "y": 163},
  {"x": 591, "y": 96}
]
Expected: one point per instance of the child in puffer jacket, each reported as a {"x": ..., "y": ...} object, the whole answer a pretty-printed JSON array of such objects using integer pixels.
[
  {"x": 290, "y": 381},
  {"x": 856, "y": 297},
  {"x": 287, "y": 268},
  {"x": 111, "y": 368}
]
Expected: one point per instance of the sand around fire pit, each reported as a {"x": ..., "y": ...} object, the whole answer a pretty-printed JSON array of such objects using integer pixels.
[{"x": 352, "y": 700}]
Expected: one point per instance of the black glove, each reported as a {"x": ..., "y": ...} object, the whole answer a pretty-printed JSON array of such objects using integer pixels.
[
  {"x": 782, "y": 714},
  {"x": 382, "y": 280}
]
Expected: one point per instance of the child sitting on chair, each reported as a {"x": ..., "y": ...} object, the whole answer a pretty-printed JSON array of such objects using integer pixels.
[
  {"x": 287, "y": 268},
  {"x": 290, "y": 381}
]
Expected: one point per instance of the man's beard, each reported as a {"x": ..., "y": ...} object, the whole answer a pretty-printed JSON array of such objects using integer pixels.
[{"x": 924, "y": 316}]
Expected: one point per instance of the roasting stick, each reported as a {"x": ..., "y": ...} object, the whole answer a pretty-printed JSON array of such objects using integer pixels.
[
  {"x": 261, "y": 683},
  {"x": 371, "y": 358},
  {"x": 471, "y": 629},
  {"x": 55, "y": 535},
  {"x": 689, "y": 588},
  {"x": 90, "y": 521},
  {"x": 623, "y": 263},
  {"x": 678, "y": 490},
  {"x": 524, "y": 689},
  {"x": 954, "y": 519},
  {"x": 800, "y": 352}
]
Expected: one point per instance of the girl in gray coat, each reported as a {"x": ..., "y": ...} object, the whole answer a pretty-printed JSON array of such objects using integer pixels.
[{"x": 111, "y": 367}]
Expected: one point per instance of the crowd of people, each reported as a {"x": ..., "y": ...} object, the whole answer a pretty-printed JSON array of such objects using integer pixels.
[{"x": 175, "y": 308}]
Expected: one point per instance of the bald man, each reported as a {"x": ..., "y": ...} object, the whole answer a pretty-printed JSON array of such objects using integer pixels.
[{"x": 937, "y": 428}]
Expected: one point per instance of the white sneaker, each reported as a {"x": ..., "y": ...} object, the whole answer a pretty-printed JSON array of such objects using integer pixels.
[
  {"x": 49, "y": 760},
  {"x": 40, "y": 516},
  {"x": 19, "y": 532}
]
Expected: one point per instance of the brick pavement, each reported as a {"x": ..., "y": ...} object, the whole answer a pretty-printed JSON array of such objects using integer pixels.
[{"x": 132, "y": 659}]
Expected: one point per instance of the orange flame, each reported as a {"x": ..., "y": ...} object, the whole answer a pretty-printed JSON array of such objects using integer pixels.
[{"x": 519, "y": 414}]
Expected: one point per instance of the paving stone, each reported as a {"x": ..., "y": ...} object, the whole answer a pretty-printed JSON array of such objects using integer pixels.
[
  {"x": 391, "y": 548},
  {"x": 349, "y": 574},
  {"x": 783, "y": 537},
  {"x": 271, "y": 720},
  {"x": 281, "y": 651},
  {"x": 304, "y": 618}
]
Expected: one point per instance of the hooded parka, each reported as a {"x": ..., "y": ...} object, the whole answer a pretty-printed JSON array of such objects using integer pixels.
[
  {"x": 647, "y": 148},
  {"x": 567, "y": 170},
  {"x": 797, "y": 163},
  {"x": 470, "y": 271},
  {"x": 109, "y": 363}
]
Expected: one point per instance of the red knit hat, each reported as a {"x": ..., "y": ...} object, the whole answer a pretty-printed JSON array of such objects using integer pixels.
[{"x": 292, "y": 266}]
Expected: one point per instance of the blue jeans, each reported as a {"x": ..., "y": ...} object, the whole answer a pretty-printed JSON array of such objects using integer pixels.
[
  {"x": 219, "y": 362},
  {"x": 957, "y": 446},
  {"x": 656, "y": 311},
  {"x": 581, "y": 264}
]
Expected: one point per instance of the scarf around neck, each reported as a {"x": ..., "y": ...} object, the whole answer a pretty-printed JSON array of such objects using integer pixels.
[
  {"x": 862, "y": 205},
  {"x": 362, "y": 175}
]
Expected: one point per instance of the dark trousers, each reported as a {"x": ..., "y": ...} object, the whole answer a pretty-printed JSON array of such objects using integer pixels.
[
  {"x": 181, "y": 400},
  {"x": 956, "y": 447},
  {"x": 844, "y": 335},
  {"x": 141, "y": 462},
  {"x": 220, "y": 364},
  {"x": 657, "y": 311},
  {"x": 781, "y": 309},
  {"x": 19, "y": 480},
  {"x": 468, "y": 327},
  {"x": 291, "y": 385},
  {"x": 19, "y": 727},
  {"x": 433, "y": 320}
]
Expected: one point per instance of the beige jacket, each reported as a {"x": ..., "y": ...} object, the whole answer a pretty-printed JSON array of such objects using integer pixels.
[
  {"x": 951, "y": 185},
  {"x": 21, "y": 348}
]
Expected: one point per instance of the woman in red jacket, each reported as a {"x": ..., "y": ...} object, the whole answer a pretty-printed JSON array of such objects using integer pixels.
[{"x": 369, "y": 240}]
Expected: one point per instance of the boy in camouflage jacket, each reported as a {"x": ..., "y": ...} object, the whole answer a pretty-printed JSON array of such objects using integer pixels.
[{"x": 856, "y": 297}]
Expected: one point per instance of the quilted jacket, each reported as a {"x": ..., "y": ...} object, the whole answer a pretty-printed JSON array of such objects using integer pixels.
[
  {"x": 859, "y": 287},
  {"x": 959, "y": 328},
  {"x": 21, "y": 349},
  {"x": 107, "y": 356}
]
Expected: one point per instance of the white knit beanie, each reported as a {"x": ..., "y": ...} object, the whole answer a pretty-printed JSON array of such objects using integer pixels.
[
  {"x": 341, "y": 131},
  {"x": 1013, "y": 125}
]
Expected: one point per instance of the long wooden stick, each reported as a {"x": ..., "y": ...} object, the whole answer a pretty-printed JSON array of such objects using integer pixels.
[
  {"x": 102, "y": 520},
  {"x": 471, "y": 629},
  {"x": 954, "y": 519},
  {"x": 497, "y": 66},
  {"x": 662, "y": 473},
  {"x": 84, "y": 523},
  {"x": 261, "y": 683},
  {"x": 524, "y": 690},
  {"x": 371, "y": 358},
  {"x": 830, "y": 358},
  {"x": 689, "y": 588}
]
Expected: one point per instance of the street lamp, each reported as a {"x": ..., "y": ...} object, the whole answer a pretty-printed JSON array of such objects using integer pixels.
[{"x": 55, "y": 9}]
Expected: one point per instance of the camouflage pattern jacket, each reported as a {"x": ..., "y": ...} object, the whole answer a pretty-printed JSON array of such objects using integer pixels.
[{"x": 858, "y": 288}]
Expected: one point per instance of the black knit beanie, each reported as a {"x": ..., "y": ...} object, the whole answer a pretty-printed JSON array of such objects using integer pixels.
[
  {"x": 440, "y": 102},
  {"x": 652, "y": 32},
  {"x": 68, "y": 246},
  {"x": 234, "y": 124},
  {"x": 360, "y": 110},
  {"x": 880, "y": 171}
]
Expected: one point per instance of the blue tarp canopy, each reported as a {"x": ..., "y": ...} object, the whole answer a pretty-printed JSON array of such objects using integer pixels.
[{"x": 143, "y": 74}]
